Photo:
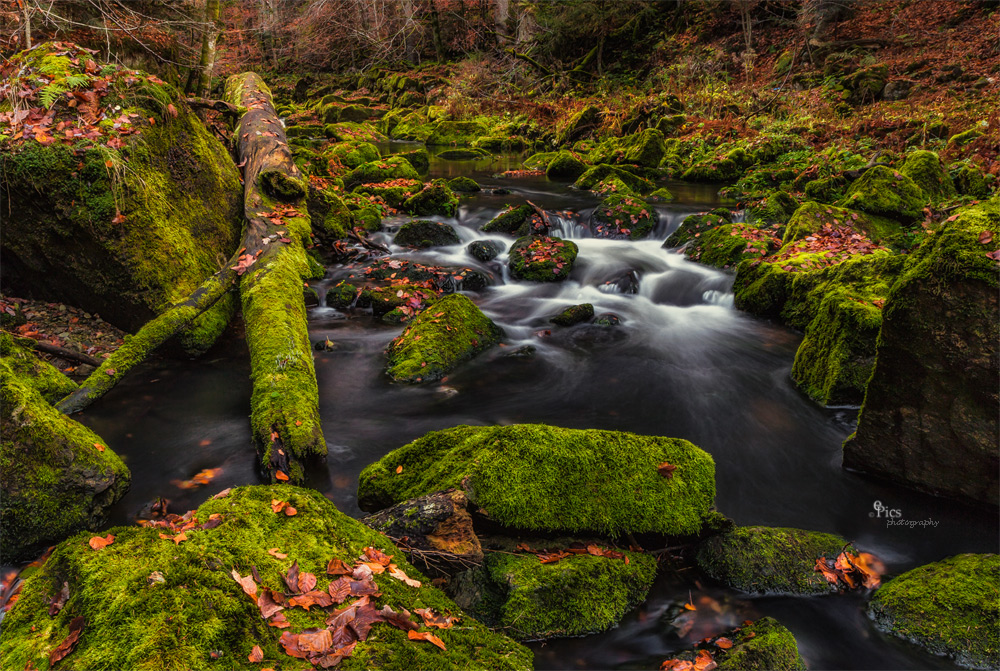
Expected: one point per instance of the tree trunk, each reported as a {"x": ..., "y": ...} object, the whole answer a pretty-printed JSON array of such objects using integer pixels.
[
  {"x": 436, "y": 32},
  {"x": 284, "y": 414},
  {"x": 26, "y": 10},
  {"x": 208, "y": 40}
]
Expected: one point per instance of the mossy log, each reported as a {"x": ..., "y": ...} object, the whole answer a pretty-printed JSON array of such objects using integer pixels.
[{"x": 284, "y": 414}]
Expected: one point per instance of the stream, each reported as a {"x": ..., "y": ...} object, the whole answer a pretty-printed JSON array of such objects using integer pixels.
[{"x": 682, "y": 362}]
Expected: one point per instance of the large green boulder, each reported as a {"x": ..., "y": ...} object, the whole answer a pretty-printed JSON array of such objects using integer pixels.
[
  {"x": 456, "y": 133},
  {"x": 381, "y": 170},
  {"x": 769, "y": 560},
  {"x": 599, "y": 173},
  {"x": 726, "y": 245},
  {"x": 56, "y": 475},
  {"x": 762, "y": 645},
  {"x": 578, "y": 125},
  {"x": 421, "y": 234},
  {"x": 696, "y": 225},
  {"x": 623, "y": 216},
  {"x": 441, "y": 337},
  {"x": 541, "y": 259},
  {"x": 155, "y": 600},
  {"x": 533, "y": 476},
  {"x": 950, "y": 607},
  {"x": 811, "y": 217},
  {"x": 513, "y": 221},
  {"x": 931, "y": 413},
  {"x": 128, "y": 220},
  {"x": 926, "y": 171},
  {"x": 885, "y": 192},
  {"x": 644, "y": 149},
  {"x": 435, "y": 198},
  {"x": 565, "y": 166},
  {"x": 44, "y": 377},
  {"x": 353, "y": 154}
]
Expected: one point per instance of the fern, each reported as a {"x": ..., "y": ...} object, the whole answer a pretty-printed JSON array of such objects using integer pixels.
[
  {"x": 76, "y": 81},
  {"x": 51, "y": 93}
]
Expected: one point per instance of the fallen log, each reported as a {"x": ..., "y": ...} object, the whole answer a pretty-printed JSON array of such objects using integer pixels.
[
  {"x": 284, "y": 413},
  {"x": 68, "y": 354}
]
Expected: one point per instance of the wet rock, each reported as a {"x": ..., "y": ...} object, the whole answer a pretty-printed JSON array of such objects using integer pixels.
[
  {"x": 626, "y": 283},
  {"x": 464, "y": 185},
  {"x": 531, "y": 476},
  {"x": 696, "y": 225},
  {"x": 341, "y": 296},
  {"x": 623, "y": 216},
  {"x": 198, "y": 571},
  {"x": 452, "y": 331},
  {"x": 435, "y": 198},
  {"x": 775, "y": 208},
  {"x": 930, "y": 417},
  {"x": 541, "y": 259},
  {"x": 394, "y": 192},
  {"x": 310, "y": 297},
  {"x": 769, "y": 560},
  {"x": 607, "y": 319},
  {"x": 326, "y": 345},
  {"x": 524, "y": 352},
  {"x": 644, "y": 149},
  {"x": 600, "y": 173},
  {"x": 484, "y": 250},
  {"x": 353, "y": 154},
  {"x": 565, "y": 166},
  {"x": 398, "y": 303},
  {"x": 513, "y": 221},
  {"x": 423, "y": 234},
  {"x": 573, "y": 315},
  {"x": 435, "y": 530},
  {"x": 382, "y": 170},
  {"x": 950, "y": 607},
  {"x": 462, "y": 154},
  {"x": 762, "y": 645},
  {"x": 419, "y": 159},
  {"x": 456, "y": 133},
  {"x": 884, "y": 192}
]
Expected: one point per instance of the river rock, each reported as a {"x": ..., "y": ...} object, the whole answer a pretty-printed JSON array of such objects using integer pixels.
[
  {"x": 435, "y": 198},
  {"x": 186, "y": 590},
  {"x": 56, "y": 475},
  {"x": 565, "y": 166},
  {"x": 601, "y": 173},
  {"x": 439, "y": 339},
  {"x": 464, "y": 184},
  {"x": 623, "y": 216},
  {"x": 513, "y": 221},
  {"x": 950, "y": 607},
  {"x": 885, "y": 192},
  {"x": 456, "y": 133},
  {"x": 644, "y": 149},
  {"x": 761, "y": 645},
  {"x": 578, "y": 595},
  {"x": 438, "y": 524},
  {"x": 484, "y": 250},
  {"x": 769, "y": 560},
  {"x": 422, "y": 234},
  {"x": 574, "y": 314},
  {"x": 696, "y": 225},
  {"x": 541, "y": 259},
  {"x": 926, "y": 171},
  {"x": 930, "y": 416},
  {"x": 353, "y": 154},
  {"x": 527, "y": 476},
  {"x": 462, "y": 154},
  {"x": 130, "y": 239},
  {"x": 47, "y": 380},
  {"x": 381, "y": 170}
]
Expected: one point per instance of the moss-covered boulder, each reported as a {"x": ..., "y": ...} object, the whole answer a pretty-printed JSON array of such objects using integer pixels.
[
  {"x": 926, "y": 171},
  {"x": 696, "y": 225},
  {"x": 329, "y": 215},
  {"x": 950, "y": 607},
  {"x": 397, "y": 303},
  {"x": 453, "y": 331},
  {"x": 464, "y": 184},
  {"x": 413, "y": 126},
  {"x": 541, "y": 259},
  {"x": 420, "y": 159},
  {"x": 435, "y": 198},
  {"x": 661, "y": 195},
  {"x": 56, "y": 475},
  {"x": 578, "y": 125},
  {"x": 382, "y": 170},
  {"x": 513, "y": 221},
  {"x": 761, "y": 645},
  {"x": 347, "y": 131},
  {"x": 20, "y": 357},
  {"x": 581, "y": 594},
  {"x": 865, "y": 85},
  {"x": 462, "y": 154},
  {"x": 600, "y": 173},
  {"x": 885, "y": 192},
  {"x": 421, "y": 234},
  {"x": 726, "y": 245},
  {"x": 456, "y": 133},
  {"x": 930, "y": 416},
  {"x": 969, "y": 181},
  {"x": 574, "y": 314},
  {"x": 530, "y": 476},
  {"x": 644, "y": 149},
  {"x": 541, "y": 160},
  {"x": 827, "y": 189},
  {"x": 393, "y": 192},
  {"x": 125, "y": 218},
  {"x": 353, "y": 154},
  {"x": 726, "y": 167},
  {"x": 341, "y": 295},
  {"x": 769, "y": 560},
  {"x": 565, "y": 166},
  {"x": 775, "y": 208},
  {"x": 623, "y": 216},
  {"x": 176, "y": 604},
  {"x": 484, "y": 250},
  {"x": 811, "y": 217}
]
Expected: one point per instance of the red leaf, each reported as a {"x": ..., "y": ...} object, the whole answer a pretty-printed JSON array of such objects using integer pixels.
[
  {"x": 256, "y": 655},
  {"x": 338, "y": 567},
  {"x": 425, "y": 636},
  {"x": 97, "y": 542},
  {"x": 666, "y": 470},
  {"x": 986, "y": 237}
]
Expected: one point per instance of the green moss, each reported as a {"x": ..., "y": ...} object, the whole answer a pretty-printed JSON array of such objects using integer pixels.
[
  {"x": 541, "y": 259},
  {"x": 198, "y": 617},
  {"x": 623, "y": 216},
  {"x": 695, "y": 225},
  {"x": 865, "y": 85},
  {"x": 346, "y": 131},
  {"x": 660, "y": 196},
  {"x": 811, "y": 217},
  {"x": 574, "y": 314},
  {"x": 965, "y": 137},
  {"x": 542, "y": 477},
  {"x": 540, "y": 161},
  {"x": 726, "y": 245},
  {"x": 950, "y": 607},
  {"x": 420, "y": 159},
  {"x": 599, "y": 173},
  {"x": 439, "y": 339},
  {"x": 435, "y": 198},
  {"x": 422, "y": 234},
  {"x": 413, "y": 126},
  {"x": 719, "y": 168},
  {"x": 764, "y": 645},
  {"x": 769, "y": 560},
  {"x": 644, "y": 149},
  {"x": 969, "y": 181},
  {"x": 456, "y": 133},
  {"x": 353, "y": 154},
  {"x": 572, "y": 597},
  {"x": 827, "y": 189},
  {"x": 464, "y": 184},
  {"x": 882, "y": 191},
  {"x": 565, "y": 166},
  {"x": 512, "y": 222},
  {"x": 776, "y": 208},
  {"x": 382, "y": 170},
  {"x": 578, "y": 125},
  {"x": 54, "y": 479},
  {"x": 926, "y": 171},
  {"x": 463, "y": 154},
  {"x": 36, "y": 372},
  {"x": 395, "y": 195},
  {"x": 399, "y": 302},
  {"x": 328, "y": 213},
  {"x": 341, "y": 295}
]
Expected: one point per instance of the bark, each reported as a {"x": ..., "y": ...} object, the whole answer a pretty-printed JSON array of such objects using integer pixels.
[
  {"x": 67, "y": 354},
  {"x": 284, "y": 414},
  {"x": 208, "y": 40}
]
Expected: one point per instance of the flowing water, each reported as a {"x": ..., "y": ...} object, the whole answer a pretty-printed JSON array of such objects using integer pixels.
[{"x": 682, "y": 362}]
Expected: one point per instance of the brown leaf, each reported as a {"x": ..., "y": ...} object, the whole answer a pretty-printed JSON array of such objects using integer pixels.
[
  {"x": 400, "y": 621},
  {"x": 57, "y": 602},
  {"x": 311, "y": 598},
  {"x": 724, "y": 643},
  {"x": 275, "y": 552},
  {"x": 268, "y": 604},
  {"x": 666, "y": 470},
  {"x": 871, "y": 568},
  {"x": 339, "y": 589},
  {"x": 378, "y": 556},
  {"x": 986, "y": 237},
  {"x": 173, "y": 113},
  {"x": 280, "y": 475},
  {"x": 425, "y": 636},
  {"x": 338, "y": 567},
  {"x": 277, "y": 506},
  {"x": 306, "y": 582},
  {"x": 431, "y": 619},
  {"x": 336, "y": 657},
  {"x": 291, "y": 578},
  {"x": 68, "y": 643},
  {"x": 290, "y": 511},
  {"x": 279, "y": 621},
  {"x": 256, "y": 655},
  {"x": 97, "y": 542},
  {"x": 704, "y": 662},
  {"x": 398, "y": 574},
  {"x": 677, "y": 665},
  {"x": 828, "y": 573},
  {"x": 247, "y": 583}
]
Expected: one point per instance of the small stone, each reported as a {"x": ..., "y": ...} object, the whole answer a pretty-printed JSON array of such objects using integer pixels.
[{"x": 155, "y": 578}]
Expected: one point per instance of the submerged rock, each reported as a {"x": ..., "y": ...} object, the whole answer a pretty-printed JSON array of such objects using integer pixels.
[
  {"x": 930, "y": 417},
  {"x": 769, "y": 560},
  {"x": 574, "y": 314},
  {"x": 542, "y": 259},
  {"x": 528, "y": 476},
  {"x": 950, "y": 607},
  {"x": 435, "y": 198},
  {"x": 422, "y": 234},
  {"x": 185, "y": 591},
  {"x": 484, "y": 250},
  {"x": 439, "y": 339}
]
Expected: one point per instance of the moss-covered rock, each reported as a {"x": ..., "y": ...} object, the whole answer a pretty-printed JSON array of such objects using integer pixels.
[
  {"x": 420, "y": 159},
  {"x": 623, "y": 216},
  {"x": 382, "y": 170},
  {"x": 661, "y": 195},
  {"x": 865, "y": 85},
  {"x": 574, "y": 314},
  {"x": 435, "y": 198},
  {"x": 719, "y": 168},
  {"x": 127, "y": 231},
  {"x": 56, "y": 476},
  {"x": 413, "y": 126},
  {"x": 177, "y": 606},
  {"x": 541, "y": 259},
  {"x": 827, "y": 189},
  {"x": 579, "y": 595},
  {"x": 950, "y": 607},
  {"x": 644, "y": 149},
  {"x": 885, "y": 192},
  {"x": 353, "y": 154},
  {"x": 930, "y": 417},
  {"x": 341, "y": 296},
  {"x": 763, "y": 645},
  {"x": 397, "y": 303},
  {"x": 484, "y": 250},
  {"x": 769, "y": 560},
  {"x": 926, "y": 171},
  {"x": 347, "y": 131},
  {"x": 513, "y": 221},
  {"x": 421, "y": 234},
  {"x": 329, "y": 215},
  {"x": 726, "y": 245},
  {"x": 565, "y": 166},
  {"x": 462, "y": 154},
  {"x": 810, "y": 217},
  {"x": 531, "y": 476},
  {"x": 776, "y": 208},
  {"x": 969, "y": 181},
  {"x": 439, "y": 339},
  {"x": 393, "y": 192},
  {"x": 464, "y": 185},
  {"x": 540, "y": 161},
  {"x": 600, "y": 173},
  {"x": 696, "y": 225},
  {"x": 456, "y": 133},
  {"x": 578, "y": 125},
  {"x": 44, "y": 377}
]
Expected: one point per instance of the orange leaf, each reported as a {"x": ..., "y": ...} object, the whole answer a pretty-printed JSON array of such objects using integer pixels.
[
  {"x": 291, "y": 512},
  {"x": 179, "y": 538},
  {"x": 275, "y": 552},
  {"x": 431, "y": 619},
  {"x": 704, "y": 662},
  {"x": 689, "y": 606},
  {"x": 280, "y": 475},
  {"x": 399, "y": 469},
  {"x": 425, "y": 636},
  {"x": 377, "y": 556},
  {"x": 871, "y": 568},
  {"x": 100, "y": 448},
  {"x": 247, "y": 583},
  {"x": 338, "y": 567},
  {"x": 724, "y": 643},
  {"x": 666, "y": 470},
  {"x": 256, "y": 655},
  {"x": 398, "y": 574},
  {"x": 97, "y": 542},
  {"x": 278, "y": 505}
]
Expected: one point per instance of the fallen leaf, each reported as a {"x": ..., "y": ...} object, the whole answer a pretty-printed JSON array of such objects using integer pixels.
[
  {"x": 398, "y": 574},
  {"x": 68, "y": 643},
  {"x": 280, "y": 475},
  {"x": 666, "y": 470},
  {"x": 223, "y": 494},
  {"x": 100, "y": 448},
  {"x": 376, "y": 555},
  {"x": 290, "y": 511},
  {"x": 97, "y": 542},
  {"x": 57, "y": 602},
  {"x": 724, "y": 643},
  {"x": 277, "y": 506},
  {"x": 703, "y": 661},
  {"x": 431, "y": 619},
  {"x": 267, "y": 603},
  {"x": 986, "y": 237},
  {"x": 425, "y": 636},
  {"x": 256, "y": 655},
  {"x": 399, "y": 469},
  {"x": 279, "y": 621},
  {"x": 247, "y": 583},
  {"x": 338, "y": 567},
  {"x": 275, "y": 552}
]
